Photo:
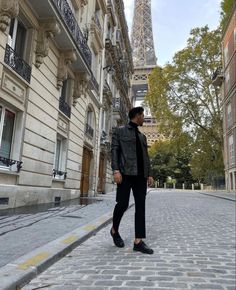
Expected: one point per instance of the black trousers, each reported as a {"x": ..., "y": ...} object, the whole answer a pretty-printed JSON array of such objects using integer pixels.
[{"x": 138, "y": 184}]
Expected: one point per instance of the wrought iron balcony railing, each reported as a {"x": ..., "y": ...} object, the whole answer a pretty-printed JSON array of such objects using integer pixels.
[
  {"x": 64, "y": 107},
  {"x": 56, "y": 172},
  {"x": 71, "y": 22},
  {"x": 94, "y": 83},
  {"x": 89, "y": 130},
  {"x": 10, "y": 162},
  {"x": 17, "y": 63},
  {"x": 119, "y": 106}
]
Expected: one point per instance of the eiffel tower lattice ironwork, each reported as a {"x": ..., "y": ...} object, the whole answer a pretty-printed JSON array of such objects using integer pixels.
[
  {"x": 144, "y": 59},
  {"x": 142, "y": 35}
]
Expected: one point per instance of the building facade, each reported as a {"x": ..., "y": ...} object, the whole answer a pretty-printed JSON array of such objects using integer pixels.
[
  {"x": 227, "y": 80},
  {"x": 57, "y": 98},
  {"x": 229, "y": 101}
]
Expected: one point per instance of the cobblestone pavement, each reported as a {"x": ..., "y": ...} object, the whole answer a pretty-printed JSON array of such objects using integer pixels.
[
  {"x": 193, "y": 237},
  {"x": 44, "y": 226}
]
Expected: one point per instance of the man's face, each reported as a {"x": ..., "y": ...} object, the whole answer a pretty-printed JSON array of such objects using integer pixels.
[{"x": 140, "y": 119}]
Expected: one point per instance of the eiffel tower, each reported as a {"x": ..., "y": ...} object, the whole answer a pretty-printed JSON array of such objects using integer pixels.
[{"x": 144, "y": 61}]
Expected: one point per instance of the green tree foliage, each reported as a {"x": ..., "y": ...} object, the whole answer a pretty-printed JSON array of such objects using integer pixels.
[
  {"x": 182, "y": 97},
  {"x": 226, "y": 10},
  {"x": 170, "y": 158}
]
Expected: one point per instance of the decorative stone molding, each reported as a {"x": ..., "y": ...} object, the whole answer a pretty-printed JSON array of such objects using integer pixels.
[
  {"x": 66, "y": 59},
  {"x": 8, "y": 9},
  {"x": 47, "y": 31},
  {"x": 81, "y": 85}
]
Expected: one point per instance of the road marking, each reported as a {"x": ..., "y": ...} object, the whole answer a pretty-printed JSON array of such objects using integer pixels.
[
  {"x": 69, "y": 240},
  {"x": 33, "y": 261},
  {"x": 90, "y": 227}
]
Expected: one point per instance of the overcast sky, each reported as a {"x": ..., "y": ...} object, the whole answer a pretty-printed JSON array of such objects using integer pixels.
[{"x": 172, "y": 21}]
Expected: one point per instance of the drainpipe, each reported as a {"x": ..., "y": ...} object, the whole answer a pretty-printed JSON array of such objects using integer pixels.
[{"x": 101, "y": 101}]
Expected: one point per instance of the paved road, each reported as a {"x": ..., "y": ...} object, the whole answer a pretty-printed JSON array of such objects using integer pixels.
[
  {"x": 193, "y": 236},
  {"x": 24, "y": 231}
]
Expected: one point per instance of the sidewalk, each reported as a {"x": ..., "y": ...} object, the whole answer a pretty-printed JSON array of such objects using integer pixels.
[
  {"x": 193, "y": 236},
  {"x": 30, "y": 242}
]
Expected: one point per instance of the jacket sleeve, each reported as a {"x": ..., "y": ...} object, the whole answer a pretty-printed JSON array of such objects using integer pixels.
[
  {"x": 148, "y": 159},
  {"x": 115, "y": 150}
]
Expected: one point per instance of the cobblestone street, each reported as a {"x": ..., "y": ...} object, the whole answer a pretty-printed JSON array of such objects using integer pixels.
[{"x": 193, "y": 236}]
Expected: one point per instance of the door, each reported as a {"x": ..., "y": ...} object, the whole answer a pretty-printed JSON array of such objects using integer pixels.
[
  {"x": 101, "y": 174},
  {"x": 84, "y": 184}
]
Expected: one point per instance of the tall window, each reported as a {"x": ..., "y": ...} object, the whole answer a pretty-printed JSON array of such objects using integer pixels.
[
  {"x": 231, "y": 150},
  {"x": 235, "y": 38},
  {"x": 7, "y": 120},
  {"x": 60, "y": 158},
  {"x": 17, "y": 37},
  {"x": 226, "y": 53},
  {"x": 229, "y": 116},
  {"x": 89, "y": 129},
  {"x": 66, "y": 97},
  {"x": 227, "y": 80}
]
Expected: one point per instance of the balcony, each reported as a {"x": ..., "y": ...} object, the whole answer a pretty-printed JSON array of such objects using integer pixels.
[
  {"x": 64, "y": 108},
  {"x": 10, "y": 163},
  {"x": 70, "y": 36},
  {"x": 111, "y": 11},
  {"x": 17, "y": 63},
  {"x": 94, "y": 84},
  {"x": 119, "y": 109},
  {"x": 89, "y": 131},
  {"x": 68, "y": 16},
  {"x": 217, "y": 78}
]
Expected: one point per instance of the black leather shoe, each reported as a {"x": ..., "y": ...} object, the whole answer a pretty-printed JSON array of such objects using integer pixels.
[
  {"x": 117, "y": 239},
  {"x": 143, "y": 248}
]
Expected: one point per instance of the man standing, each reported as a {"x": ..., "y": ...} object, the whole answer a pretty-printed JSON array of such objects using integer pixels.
[{"x": 131, "y": 169}]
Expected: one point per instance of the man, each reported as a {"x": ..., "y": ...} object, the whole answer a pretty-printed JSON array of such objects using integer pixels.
[{"x": 131, "y": 169}]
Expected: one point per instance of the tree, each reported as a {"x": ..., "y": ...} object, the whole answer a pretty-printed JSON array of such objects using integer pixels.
[
  {"x": 181, "y": 95},
  {"x": 183, "y": 90},
  {"x": 171, "y": 158},
  {"x": 226, "y": 10}
]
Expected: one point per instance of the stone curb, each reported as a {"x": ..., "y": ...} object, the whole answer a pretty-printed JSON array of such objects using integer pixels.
[{"x": 18, "y": 273}]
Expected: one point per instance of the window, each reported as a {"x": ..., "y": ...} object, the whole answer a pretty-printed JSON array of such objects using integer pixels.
[
  {"x": 60, "y": 158},
  {"x": 235, "y": 38},
  {"x": 229, "y": 116},
  {"x": 226, "y": 53},
  {"x": 7, "y": 120},
  {"x": 89, "y": 130},
  {"x": 17, "y": 37},
  {"x": 227, "y": 80},
  {"x": 66, "y": 97},
  {"x": 231, "y": 150}
]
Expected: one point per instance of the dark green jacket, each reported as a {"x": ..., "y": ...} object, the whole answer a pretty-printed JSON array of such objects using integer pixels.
[{"x": 123, "y": 151}]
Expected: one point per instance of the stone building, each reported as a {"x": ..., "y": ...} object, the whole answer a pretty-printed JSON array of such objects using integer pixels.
[
  {"x": 65, "y": 64},
  {"x": 227, "y": 80}
]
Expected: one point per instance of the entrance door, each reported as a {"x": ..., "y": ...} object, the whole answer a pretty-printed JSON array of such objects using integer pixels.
[
  {"x": 101, "y": 174},
  {"x": 84, "y": 184}
]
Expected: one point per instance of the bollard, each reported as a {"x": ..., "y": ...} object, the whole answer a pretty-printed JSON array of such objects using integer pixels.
[
  {"x": 164, "y": 185},
  {"x": 183, "y": 186},
  {"x": 173, "y": 185},
  {"x": 192, "y": 186},
  {"x": 201, "y": 186}
]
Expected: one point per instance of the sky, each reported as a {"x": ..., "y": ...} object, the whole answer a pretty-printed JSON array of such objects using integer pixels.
[{"x": 172, "y": 21}]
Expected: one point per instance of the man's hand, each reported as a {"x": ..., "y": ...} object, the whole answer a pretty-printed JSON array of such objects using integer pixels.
[
  {"x": 117, "y": 177},
  {"x": 150, "y": 181}
]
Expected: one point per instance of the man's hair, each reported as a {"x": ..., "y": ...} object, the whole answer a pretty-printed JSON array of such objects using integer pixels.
[{"x": 135, "y": 111}]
